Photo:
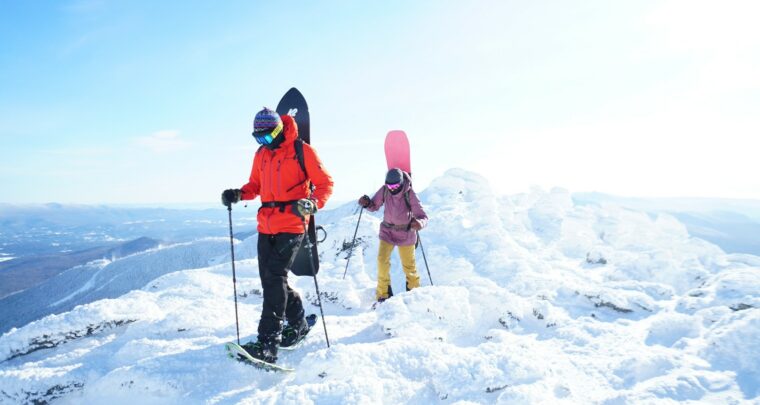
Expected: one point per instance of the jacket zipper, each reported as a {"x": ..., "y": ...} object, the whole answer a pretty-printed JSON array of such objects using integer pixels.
[
  {"x": 269, "y": 186},
  {"x": 279, "y": 177}
]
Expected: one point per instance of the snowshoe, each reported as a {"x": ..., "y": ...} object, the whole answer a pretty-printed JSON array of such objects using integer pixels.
[{"x": 241, "y": 354}]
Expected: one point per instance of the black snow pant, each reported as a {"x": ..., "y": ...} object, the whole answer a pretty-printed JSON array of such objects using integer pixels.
[{"x": 280, "y": 301}]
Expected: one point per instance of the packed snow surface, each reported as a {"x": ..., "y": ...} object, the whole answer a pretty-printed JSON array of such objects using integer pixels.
[{"x": 535, "y": 300}]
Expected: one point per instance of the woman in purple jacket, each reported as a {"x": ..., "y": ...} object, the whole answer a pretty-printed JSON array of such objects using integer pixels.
[{"x": 402, "y": 218}]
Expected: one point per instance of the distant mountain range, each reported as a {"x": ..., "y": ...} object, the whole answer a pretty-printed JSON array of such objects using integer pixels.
[
  {"x": 732, "y": 224},
  {"x": 105, "y": 273},
  {"x": 33, "y": 230},
  {"x": 22, "y": 273}
]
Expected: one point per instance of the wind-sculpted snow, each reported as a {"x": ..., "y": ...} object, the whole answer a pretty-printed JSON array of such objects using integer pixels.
[{"x": 535, "y": 300}]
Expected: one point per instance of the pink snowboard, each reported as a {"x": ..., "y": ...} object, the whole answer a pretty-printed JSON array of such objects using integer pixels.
[{"x": 397, "y": 151}]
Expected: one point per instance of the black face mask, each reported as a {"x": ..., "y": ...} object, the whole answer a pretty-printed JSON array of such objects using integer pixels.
[{"x": 276, "y": 142}]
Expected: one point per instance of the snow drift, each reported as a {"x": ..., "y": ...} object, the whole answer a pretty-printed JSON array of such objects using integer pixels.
[{"x": 535, "y": 299}]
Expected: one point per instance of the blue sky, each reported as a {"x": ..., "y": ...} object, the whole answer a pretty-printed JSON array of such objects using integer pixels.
[{"x": 152, "y": 102}]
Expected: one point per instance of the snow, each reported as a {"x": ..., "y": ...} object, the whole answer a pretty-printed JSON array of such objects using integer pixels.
[
  {"x": 4, "y": 257},
  {"x": 536, "y": 299}
]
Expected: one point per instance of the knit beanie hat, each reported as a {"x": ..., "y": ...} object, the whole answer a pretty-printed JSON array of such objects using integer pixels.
[
  {"x": 266, "y": 121},
  {"x": 394, "y": 176}
]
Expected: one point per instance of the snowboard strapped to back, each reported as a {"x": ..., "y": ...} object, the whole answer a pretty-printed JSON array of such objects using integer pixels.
[
  {"x": 294, "y": 104},
  {"x": 398, "y": 156}
]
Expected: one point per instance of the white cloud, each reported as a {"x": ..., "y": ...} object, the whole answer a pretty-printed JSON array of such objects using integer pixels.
[{"x": 163, "y": 141}]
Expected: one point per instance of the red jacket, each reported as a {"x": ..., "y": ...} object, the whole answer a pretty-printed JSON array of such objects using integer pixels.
[{"x": 277, "y": 176}]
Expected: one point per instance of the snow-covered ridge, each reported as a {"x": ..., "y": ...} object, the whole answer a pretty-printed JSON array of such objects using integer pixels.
[{"x": 535, "y": 299}]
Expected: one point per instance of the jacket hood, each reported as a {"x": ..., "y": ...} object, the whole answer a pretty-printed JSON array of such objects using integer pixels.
[
  {"x": 406, "y": 187},
  {"x": 289, "y": 129},
  {"x": 407, "y": 182}
]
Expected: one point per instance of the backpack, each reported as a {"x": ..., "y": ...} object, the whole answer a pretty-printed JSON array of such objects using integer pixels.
[
  {"x": 408, "y": 207},
  {"x": 406, "y": 200}
]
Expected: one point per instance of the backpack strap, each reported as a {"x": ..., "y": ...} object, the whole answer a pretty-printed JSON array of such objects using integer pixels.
[
  {"x": 298, "y": 146},
  {"x": 406, "y": 198},
  {"x": 408, "y": 205},
  {"x": 282, "y": 205}
]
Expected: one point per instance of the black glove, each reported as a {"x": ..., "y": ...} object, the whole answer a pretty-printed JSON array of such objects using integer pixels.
[
  {"x": 304, "y": 207},
  {"x": 231, "y": 196},
  {"x": 364, "y": 201}
]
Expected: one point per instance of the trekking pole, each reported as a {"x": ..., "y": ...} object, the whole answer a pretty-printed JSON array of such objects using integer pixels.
[
  {"x": 234, "y": 280},
  {"x": 351, "y": 250},
  {"x": 424, "y": 258},
  {"x": 316, "y": 285}
]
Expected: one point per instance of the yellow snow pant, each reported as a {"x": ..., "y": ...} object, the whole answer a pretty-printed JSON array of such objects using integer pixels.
[{"x": 384, "y": 268}]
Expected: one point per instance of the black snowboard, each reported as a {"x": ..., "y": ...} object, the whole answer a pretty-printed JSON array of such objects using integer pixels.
[{"x": 294, "y": 104}]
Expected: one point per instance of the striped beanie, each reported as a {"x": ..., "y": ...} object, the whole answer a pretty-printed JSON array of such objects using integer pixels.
[{"x": 265, "y": 121}]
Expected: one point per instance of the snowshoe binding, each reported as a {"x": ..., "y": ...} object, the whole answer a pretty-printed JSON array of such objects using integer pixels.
[{"x": 294, "y": 335}]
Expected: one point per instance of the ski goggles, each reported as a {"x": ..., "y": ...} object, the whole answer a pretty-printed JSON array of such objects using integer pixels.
[
  {"x": 266, "y": 138},
  {"x": 393, "y": 187}
]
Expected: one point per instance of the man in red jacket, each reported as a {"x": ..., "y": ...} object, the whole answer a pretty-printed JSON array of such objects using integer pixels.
[{"x": 287, "y": 201}]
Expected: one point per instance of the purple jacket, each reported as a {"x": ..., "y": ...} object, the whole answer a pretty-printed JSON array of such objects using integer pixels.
[{"x": 396, "y": 218}]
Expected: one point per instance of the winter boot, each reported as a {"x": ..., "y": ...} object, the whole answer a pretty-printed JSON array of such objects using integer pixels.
[
  {"x": 295, "y": 332},
  {"x": 378, "y": 302},
  {"x": 264, "y": 350}
]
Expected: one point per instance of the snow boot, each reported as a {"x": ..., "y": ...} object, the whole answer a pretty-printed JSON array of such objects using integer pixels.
[
  {"x": 294, "y": 333},
  {"x": 378, "y": 302},
  {"x": 263, "y": 350}
]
